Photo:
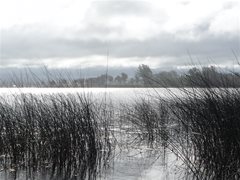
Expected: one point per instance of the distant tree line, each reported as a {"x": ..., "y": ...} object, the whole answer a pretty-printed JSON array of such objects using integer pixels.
[
  {"x": 144, "y": 77},
  {"x": 194, "y": 77}
]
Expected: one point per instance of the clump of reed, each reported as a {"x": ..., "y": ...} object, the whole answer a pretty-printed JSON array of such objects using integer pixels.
[
  {"x": 210, "y": 128},
  {"x": 63, "y": 135},
  {"x": 149, "y": 121},
  {"x": 200, "y": 125}
]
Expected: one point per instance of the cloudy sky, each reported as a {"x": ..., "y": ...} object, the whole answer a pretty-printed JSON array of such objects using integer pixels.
[{"x": 80, "y": 33}]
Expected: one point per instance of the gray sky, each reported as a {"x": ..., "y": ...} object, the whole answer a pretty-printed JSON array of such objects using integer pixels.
[{"x": 78, "y": 33}]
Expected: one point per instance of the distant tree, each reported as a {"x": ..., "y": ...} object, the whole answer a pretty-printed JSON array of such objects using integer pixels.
[
  {"x": 118, "y": 79},
  {"x": 209, "y": 71},
  {"x": 167, "y": 79},
  {"x": 101, "y": 80},
  {"x": 212, "y": 76},
  {"x": 132, "y": 81},
  {"x": 52, "y": 83},
  {"x": 110, "y": 78},
  {"x": 124, "y": 77},
  {"x": 121, "y": 79},
  {"x": 144, "y": 73},
  {"x": 194, "y": 77},
  {"x": 194, "y": 72},
  {"x": 205, "y": 77},
  {"x": 137, "y": 79}
]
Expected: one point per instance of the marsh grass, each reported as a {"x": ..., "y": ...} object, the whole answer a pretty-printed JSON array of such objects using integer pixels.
[
  {"x": 71, "y": 136},
  {"x": 201, "y": 126},
  {"x": 64, "y": 136},
  {"x": 148, "y": 124},
  {"x": 210, "y": 126},
  {"x": 149, "y": 121}
]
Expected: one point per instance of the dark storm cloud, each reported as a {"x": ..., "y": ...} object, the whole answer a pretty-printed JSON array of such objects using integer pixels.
[
  {"x": 16, "y": 44},
  {"x": 167, "y": 45}
]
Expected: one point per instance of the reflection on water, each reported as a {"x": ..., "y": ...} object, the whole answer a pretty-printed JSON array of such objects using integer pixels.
[
  {"x": 138, "y": 164},
  {"x": 142, "y": 164},
  {"x": 115, "y": 94}
]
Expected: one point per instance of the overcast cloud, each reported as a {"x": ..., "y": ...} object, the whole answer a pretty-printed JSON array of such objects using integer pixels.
[{"x": 72, "y": 33}]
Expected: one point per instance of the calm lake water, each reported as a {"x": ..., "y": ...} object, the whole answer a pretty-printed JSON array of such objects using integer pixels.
[
  {"x": 132, "y": 163},
  {"x": 115, "y": 94}
]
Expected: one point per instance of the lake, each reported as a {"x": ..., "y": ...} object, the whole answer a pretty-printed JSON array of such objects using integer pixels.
[
  {"x": 115, "y": 94},
  {"x": 131, "y": 162}
]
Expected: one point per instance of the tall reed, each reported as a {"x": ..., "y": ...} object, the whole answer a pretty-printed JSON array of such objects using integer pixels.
[
  {"x": 200, "y": 125},
  {"x": 62, "y": 135},
  {"x": 210, "y": 124}
]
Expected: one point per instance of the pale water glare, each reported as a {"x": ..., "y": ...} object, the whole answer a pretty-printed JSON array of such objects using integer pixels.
[{"x": 115, "y": 94}]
